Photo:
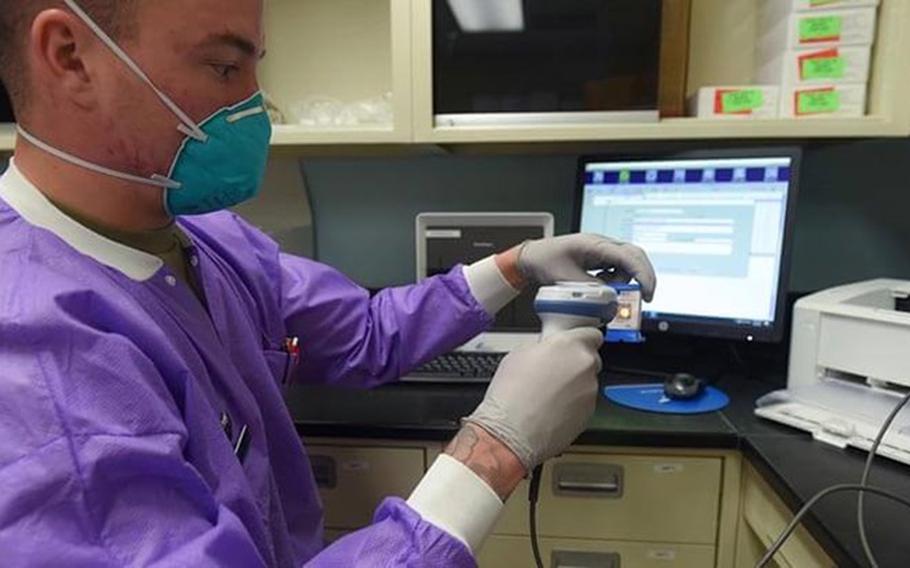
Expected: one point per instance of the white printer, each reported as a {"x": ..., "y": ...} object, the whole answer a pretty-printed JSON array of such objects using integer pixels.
[{"x": 849, "y": 367}]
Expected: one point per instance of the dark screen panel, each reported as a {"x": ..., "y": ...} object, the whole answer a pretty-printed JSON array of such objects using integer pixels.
[
  {"x": 476, "y": 243},
  {"x": 6, "y": 109},
  {"x": 571, "y": 55}
]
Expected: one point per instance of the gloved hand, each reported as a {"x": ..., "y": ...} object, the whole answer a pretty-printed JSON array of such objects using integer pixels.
[
  {"x": 568, "y": 258},
  {"x": 543, "y": 395}
]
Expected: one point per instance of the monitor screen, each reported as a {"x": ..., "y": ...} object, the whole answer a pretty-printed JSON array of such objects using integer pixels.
[
  {"x": 541, "y": 56},
  {"x": 716, "y": 229},
  {"x": 6, "y": 107},
  {"x": 450, "y": 245}
]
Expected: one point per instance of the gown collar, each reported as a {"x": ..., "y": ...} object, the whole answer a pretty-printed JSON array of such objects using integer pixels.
[{"x": 24, "y": 198}]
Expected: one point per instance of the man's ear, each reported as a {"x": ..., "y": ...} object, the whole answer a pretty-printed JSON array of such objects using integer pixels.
[{"x": 58, "y": 45}]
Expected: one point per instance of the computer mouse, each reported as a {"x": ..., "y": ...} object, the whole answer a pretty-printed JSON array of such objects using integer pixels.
[{"x": 683, "y": 386}]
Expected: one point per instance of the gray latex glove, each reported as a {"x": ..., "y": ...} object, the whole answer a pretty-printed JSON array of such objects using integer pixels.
[
  {"x": 543, "y": 395},
  {"x": 569, "y": 258}
]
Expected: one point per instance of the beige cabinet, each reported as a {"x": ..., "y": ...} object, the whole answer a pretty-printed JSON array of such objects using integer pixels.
[
  {"x": 764, "y": 517},
  {"x": 7, "y": 138},
  {"x": 331, "y": 535},
  {"x": 623, "y": 497},
  {"x": 642, "y": 507},
  {"x": 353, "y": 480},
  {"x": 628, "y": 507},
  {"x": 351, "y": 50},
  {"x": 721, "y": 53},
  {"x": 338, "y": 50},
  {"x": 515, "y": 552}
]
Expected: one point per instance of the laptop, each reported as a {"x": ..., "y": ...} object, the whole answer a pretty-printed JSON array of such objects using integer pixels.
[{"x": 447, "y": 239}]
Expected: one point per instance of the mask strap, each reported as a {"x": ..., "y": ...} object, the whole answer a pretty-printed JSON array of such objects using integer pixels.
[
  {"x": 190, "y": 128},
  {"x": 245, "y": 114},
  {"x": 156, "y": 180}
]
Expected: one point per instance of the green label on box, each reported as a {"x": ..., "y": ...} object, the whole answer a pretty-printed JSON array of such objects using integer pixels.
[
  {"x": 817, "y": 102},
  {"x": 820, "y": 3},
  {"x": 625, "y": 176},
  {"x": 822, "y": 28},
  {"x": 742, "y": 101},
  {"x": 824, "y": 68}
]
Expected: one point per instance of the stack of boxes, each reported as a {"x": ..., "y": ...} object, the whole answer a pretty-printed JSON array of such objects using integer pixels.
[
  {"x": 736, "y": 102},
  {"x": 819, "y": 53},
  {"x": 812, "y": 60}
]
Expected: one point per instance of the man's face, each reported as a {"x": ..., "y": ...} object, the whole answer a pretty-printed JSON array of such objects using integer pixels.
[{"x": 203, "y": 54}]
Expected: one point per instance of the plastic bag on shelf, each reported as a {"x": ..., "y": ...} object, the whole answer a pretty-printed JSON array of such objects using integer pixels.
[{"x": 328, "y": 112}]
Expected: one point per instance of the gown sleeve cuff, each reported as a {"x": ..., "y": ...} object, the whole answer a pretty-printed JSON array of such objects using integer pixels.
[
  {"x": 455, "y": 499},
  {"x": 489, "y": 286}
]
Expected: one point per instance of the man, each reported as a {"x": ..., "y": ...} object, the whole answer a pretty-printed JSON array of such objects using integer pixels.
[{"x": 142, "y": 359}]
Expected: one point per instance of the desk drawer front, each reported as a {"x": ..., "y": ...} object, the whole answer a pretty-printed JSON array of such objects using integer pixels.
[
  {"x": 503, "y": 551},
  {"x": 623, "y": 497},
  {"x": 353, "y": 481}
]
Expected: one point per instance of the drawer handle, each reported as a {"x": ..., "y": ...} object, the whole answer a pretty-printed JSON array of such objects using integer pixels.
[
  {"x": 603, "y": 481},
  {"x": 589, "y": 486},
  {"x": 571, "y": 559}
]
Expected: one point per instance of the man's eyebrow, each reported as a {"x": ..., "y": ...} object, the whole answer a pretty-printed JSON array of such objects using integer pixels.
[{"x": 236, "y": 41}]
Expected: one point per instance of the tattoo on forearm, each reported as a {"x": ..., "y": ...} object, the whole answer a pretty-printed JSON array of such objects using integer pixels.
[
  {"x": 487, "y": 458},
  {"x": 463, "y": 445}
]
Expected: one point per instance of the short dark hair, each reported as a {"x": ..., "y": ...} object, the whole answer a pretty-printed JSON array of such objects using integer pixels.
[{"x": 16, "y": 17}]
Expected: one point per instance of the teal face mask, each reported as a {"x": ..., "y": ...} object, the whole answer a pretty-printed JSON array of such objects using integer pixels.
[
  {"x": 227, "y": 168},
  {"x": 221, "y": 162}
]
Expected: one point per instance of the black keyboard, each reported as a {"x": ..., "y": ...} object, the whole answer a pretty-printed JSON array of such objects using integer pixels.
[{"x": 458, "y": 367}]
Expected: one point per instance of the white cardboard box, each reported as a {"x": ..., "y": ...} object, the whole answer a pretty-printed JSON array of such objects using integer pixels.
[
  {"x": 819, "y": 29},
  {"x": 823, "y": 101},
  {"x": 814, "y": 66},
  {"x": 737, "y": 102},
  {"x": 775, "y": 10}
]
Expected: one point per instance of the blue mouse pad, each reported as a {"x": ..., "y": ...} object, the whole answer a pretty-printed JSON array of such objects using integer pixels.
[{"x": 651, "y": 398}]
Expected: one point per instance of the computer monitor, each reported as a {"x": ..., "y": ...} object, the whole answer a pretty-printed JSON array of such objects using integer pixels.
[{"x": 716, "y": 225}]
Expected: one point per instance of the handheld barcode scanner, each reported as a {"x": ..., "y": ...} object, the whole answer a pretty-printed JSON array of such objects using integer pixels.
[{"x": 570, "y": 305}]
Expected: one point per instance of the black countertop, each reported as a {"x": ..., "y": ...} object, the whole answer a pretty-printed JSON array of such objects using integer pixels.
[{"x": 795, "y": 465}]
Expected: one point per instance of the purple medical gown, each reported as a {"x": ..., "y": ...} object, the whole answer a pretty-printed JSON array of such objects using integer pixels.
[{"x": 112, "y": 448}]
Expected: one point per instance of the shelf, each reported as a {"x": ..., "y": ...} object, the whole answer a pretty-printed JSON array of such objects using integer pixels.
[
  {"x": 7, "y": 138},
  {"x": 283, "y": 137},
  {"x": 288, "y": 136},
  {"x": 673, "y": 129}
]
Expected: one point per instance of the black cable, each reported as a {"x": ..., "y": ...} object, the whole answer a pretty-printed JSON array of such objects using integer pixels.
[
  {"x": 533, "y": 495},
  {"x": 779, "y": 543},
  {"x": 860, "y": 517}
]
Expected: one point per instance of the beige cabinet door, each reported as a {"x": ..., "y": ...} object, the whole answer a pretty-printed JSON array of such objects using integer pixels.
[
  {"x": 764, "y": 518},
  {"x": 623, "y": 497},
  {"x": 327, "y": 53},
  {"x": 331, "y": 535},
  {"x": 353, "y": 481},
  {"x": 515, "y": 552}
]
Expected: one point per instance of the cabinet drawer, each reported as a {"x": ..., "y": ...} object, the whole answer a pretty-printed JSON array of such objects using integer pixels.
[
  {"x": 622, "y": 497},
  {"x": 766, "y": 516},
  {"x": 512, "y": 551},
  {"x": 353, "y": 481}
]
